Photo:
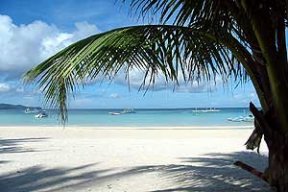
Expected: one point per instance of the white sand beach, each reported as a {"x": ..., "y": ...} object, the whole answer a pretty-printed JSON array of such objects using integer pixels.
[{"x": 131, "y": 160}]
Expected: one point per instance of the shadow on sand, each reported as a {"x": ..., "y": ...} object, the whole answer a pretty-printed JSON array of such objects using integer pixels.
[
  {"x": 42, "y": 179},
  {"x": 213, "y": 172},
  {"x": 15, "y": 145}
]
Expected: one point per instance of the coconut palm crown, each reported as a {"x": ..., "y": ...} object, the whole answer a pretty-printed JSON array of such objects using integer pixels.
[{"x": 194, "y": 40}]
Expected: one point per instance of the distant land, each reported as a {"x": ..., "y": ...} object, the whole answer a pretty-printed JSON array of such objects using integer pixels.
[{"x": 10, "y": 106}]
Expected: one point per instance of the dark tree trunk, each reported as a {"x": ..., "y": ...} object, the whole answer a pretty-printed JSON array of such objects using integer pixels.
[
  {"x": 277, "y": 171},
  {"x": 277, "y": 142}
]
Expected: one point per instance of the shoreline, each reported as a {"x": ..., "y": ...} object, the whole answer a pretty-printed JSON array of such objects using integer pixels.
[{"x": 212, "y": 127}]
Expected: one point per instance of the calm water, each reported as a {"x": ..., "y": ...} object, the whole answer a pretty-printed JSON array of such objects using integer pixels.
[{"x": 141, "y": 117}]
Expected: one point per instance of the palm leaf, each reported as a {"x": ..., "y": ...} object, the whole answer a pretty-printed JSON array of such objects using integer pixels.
[
  {"x": 170, "y": 50},
  {"x": 215, "y": 14}
]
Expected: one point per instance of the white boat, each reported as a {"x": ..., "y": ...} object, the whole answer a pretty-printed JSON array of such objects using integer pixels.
[
  {"x": 248, "y": 118},
  {"x": 31, "y": 110},
  {"x": 235, "y": 119},
  {"x": 125, "y": 111},
  {"x": 210, "y": 110},
  {"x": 41, "y": 115},
  {"x": 114, "y": 113}
]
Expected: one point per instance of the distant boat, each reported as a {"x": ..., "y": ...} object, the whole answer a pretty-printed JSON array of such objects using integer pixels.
[
  {"x": 127, "y": 111},
  {"x": 114, "y": 113},
  {"x": 124, "y": 111},
  {"x": 235, "y": 119},
  {"x": 31, "y": 110},
  {"x": 248, "y": 118},
  {"x": 41, "y": 115},
  {"x": 210, "y": 110}
]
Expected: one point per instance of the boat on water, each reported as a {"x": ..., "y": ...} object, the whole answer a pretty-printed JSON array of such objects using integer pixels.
[
  {"x": 248, "y": 118},
  {"x": 31, "y": 110},
  {"x": 127, "y": 111},
  {"x": 42, "y": 114},
  {"x": 124, "y": 111},
  {"x": 114, "y": 113},
  {"x": 210, "y": 110}
]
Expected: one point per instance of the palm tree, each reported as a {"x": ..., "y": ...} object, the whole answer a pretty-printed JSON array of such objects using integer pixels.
[{"x": 195, "y": 40}]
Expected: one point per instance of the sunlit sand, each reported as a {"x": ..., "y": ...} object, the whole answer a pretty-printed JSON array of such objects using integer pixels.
[{"x": 127, "y": 159}]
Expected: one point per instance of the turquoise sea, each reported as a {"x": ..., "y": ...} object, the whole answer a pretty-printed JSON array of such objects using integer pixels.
[{"x": 140, "y": 118}]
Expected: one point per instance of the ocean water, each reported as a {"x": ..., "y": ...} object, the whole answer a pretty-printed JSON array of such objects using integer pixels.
[{"x": 141, "y": 118}]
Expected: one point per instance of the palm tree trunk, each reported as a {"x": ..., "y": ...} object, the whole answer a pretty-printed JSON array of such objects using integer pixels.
[
  {"x": 277, "y": 137},
  {"x": 277, "y": 142},
  {"x": 277, "y": 172}
]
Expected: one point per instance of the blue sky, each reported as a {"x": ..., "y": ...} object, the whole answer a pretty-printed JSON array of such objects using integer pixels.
[{"x": 33, "y": 30}]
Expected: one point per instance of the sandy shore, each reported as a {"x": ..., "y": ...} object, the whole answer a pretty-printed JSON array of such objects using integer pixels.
[{"x": 121, "y": 159}]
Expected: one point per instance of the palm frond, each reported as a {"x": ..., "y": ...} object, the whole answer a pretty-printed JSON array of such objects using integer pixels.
[
  {"x": 187, "y": 12},
  {"x": 152, "y": 49},
  {"x": 214, "y": 14}
]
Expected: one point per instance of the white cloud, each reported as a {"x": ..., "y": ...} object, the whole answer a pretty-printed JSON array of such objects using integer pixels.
[
  {"x": 246, "y": 97},
  {"x": 136, "y": 80},
  {"x": 20, "y": 90},
  {"x": 4, "y": 87},
  {"x": 24, "y": 46},
  {"x": 114, "y": 95}
]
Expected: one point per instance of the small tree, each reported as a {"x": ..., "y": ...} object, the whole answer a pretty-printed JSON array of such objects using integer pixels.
[{"x": 206, "y": 38}]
